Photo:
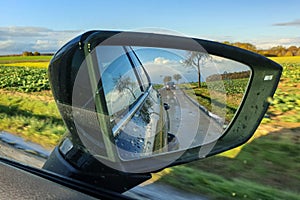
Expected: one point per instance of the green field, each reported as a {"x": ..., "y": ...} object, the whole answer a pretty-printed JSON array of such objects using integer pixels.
[
  {"x": 20, "y": 59},
  {"x": 24, "y": 79},
  {"x": 267, "y": 167}
]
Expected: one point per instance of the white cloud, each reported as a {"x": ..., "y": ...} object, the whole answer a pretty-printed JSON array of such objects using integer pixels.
[
  {"x": 6, "y": 44},
  {"x": 266, "y": 43},
  {"x": 16, "y": 39},
  {"x": 45, "y": 45},
  {"x": 161, "y": 67},
  {"x": 261, "y": 42}
]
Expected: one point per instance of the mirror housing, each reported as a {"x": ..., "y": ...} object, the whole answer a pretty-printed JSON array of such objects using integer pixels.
[{"x": 64, "y": 70}]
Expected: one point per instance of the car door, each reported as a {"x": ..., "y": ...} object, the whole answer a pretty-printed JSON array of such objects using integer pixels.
[{"x": 134, "y": 106}]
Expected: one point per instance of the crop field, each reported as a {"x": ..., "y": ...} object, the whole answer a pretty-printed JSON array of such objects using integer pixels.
[
  {"x": 23, "y": 79},
  {"x": 28, "y": 64},
  {"x": 25, "y": 61},
  {"x": 286, "y": 60},
  {"x": 22, "y": 59},
  {"x": 267, "y": 167}
]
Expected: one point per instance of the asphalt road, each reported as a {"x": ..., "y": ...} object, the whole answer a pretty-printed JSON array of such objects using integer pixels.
[{"x": 15, "y": 148}]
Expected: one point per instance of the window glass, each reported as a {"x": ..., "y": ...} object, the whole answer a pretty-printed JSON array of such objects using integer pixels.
[
  {"x": 140, "y": 70},
  {"x": 120, "y": 84}
]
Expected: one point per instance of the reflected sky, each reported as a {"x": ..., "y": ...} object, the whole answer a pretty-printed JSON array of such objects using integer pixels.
[{"x": 160, "y": 62}]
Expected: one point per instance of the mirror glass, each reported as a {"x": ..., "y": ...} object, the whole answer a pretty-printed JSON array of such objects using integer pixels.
[{"x": 144, "y": 101}]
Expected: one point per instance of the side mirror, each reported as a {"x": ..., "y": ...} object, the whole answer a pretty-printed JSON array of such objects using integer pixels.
[{"x": 140, "y": 102}]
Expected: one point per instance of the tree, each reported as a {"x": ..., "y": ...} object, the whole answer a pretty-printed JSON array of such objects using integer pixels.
[
  {"x": 177, "y": 77},
  {"x": 288, "y": 53},
  {"x": 196, "y": 59},
  {"x": 27, "y": 53},
  {"x": 36, "y": 53},
  {"x": 167, "y": 79},
  {"x": 246, "y": 46},
  {"x": 293, "y": 49}
]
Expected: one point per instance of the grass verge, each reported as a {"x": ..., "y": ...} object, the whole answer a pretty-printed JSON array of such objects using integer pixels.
[
  {"x": 34, "y": 117},
  {"x": 217, "y": 187},
  {"x": 267, "y": 168}
]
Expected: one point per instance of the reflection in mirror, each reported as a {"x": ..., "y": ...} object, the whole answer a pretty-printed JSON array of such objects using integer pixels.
[
  {"x": 202, "y": 90},
  {"x": 160, "y": 100}
]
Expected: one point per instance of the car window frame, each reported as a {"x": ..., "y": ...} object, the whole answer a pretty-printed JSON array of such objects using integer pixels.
[
  {"x": 132, "y": 109},
  {"x": 136, "y": 80},
  {"x": 138, "y": 65}
]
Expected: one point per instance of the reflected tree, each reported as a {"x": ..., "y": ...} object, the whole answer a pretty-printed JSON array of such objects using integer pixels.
[
  {"x": 124, "y": 82},
  {"x": 196, "y": 59},
  {"x": 177, "y": 77},
  {"x": 167, "y": 79}
]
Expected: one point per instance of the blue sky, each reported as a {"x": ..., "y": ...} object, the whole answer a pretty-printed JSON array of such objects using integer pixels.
[{"x": 46, "y": 25}]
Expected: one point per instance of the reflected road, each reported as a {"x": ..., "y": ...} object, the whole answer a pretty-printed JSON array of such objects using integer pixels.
[{"x": 191, "y": 125}]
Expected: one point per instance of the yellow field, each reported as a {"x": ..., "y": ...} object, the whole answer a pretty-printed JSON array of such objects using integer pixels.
[
  {"x": 29, "y": 64},
  {"x": 43, "y": 64},
  {"x": 288, "y": 59}
]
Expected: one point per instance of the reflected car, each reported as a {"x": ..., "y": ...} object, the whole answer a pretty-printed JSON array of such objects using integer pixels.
[
  {"x": 173, "y": 143},
  {"x": 132, "y": 104},
  {"x": 170, "y": 85}
]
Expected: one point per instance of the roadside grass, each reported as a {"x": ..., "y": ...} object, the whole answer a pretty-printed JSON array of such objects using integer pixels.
[
  {"x": 208, "y": 97},
  {"x": 267, "y": 168},
  {"x": 217, "y": 187},
  {"x": 34, "y": 117}
]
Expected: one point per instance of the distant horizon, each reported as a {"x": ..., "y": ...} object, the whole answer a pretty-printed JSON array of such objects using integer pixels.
[
  {"x": 20, "y": 54},
  {"x": 52, "y": 53}
]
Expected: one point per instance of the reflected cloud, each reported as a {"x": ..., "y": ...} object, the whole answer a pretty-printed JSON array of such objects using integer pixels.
[
  {"x": 161, "y": 60},
  {"x": 161, "y": 67}
]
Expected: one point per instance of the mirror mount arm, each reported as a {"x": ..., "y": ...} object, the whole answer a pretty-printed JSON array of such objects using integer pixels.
[{"x": 108, "y": 178}]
